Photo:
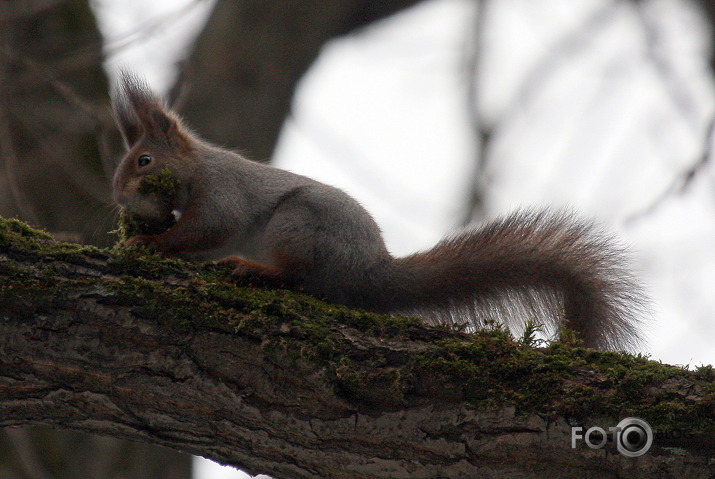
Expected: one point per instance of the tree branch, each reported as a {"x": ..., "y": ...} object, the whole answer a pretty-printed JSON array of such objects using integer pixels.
[
  {"x": 684, "y": 179},
  {"x": 163, "y": 351},
  {"x": 239, "y": 80}
]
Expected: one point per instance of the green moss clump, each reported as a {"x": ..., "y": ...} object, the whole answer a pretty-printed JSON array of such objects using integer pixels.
[
  {"x": 162, "y": 188},
  {"x": 131, "y": 225},
  {"x": 25, "y": 240},
  {"x": 163, "y": 184},
  {"x": 15, "y": 232}
]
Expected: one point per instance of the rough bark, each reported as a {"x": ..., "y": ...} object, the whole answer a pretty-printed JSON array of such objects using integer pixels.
[
  {"x": 162, "y": 351},
  {"x": 237, "y": 85}
]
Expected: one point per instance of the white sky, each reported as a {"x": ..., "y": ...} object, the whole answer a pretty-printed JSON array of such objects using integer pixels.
[{"x": 382, "y": 115}]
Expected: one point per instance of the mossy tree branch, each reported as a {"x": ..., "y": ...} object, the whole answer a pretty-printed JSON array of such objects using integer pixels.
[{"x": 167, "y": 352}]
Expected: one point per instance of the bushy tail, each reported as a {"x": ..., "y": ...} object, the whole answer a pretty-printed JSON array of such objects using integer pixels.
[{"x": 545, "y": 266}]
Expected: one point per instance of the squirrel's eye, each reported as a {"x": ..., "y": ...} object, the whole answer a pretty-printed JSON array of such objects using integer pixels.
[{"x": 144, "y": 160}]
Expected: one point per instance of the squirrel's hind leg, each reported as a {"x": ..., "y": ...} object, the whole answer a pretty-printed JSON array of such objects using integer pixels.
[{"x": 254, "y": 273}]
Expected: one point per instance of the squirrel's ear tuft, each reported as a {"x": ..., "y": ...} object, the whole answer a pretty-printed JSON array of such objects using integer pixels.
[
  {"x": 128, "y": 122},
  {"x": 140, "y": 113}
]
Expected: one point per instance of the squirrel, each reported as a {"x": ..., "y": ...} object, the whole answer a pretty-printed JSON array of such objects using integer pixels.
[{"x": 295, "y": 232}]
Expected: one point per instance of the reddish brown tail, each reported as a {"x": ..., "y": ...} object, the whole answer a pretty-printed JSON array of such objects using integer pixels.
[{"x": 544, "y": 266}]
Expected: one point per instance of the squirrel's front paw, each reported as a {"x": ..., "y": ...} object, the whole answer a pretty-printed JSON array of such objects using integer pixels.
[{"x": 149, "y": 241}]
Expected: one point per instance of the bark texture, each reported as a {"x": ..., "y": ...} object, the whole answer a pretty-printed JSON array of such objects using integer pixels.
[{"x": 162, "y": 351}]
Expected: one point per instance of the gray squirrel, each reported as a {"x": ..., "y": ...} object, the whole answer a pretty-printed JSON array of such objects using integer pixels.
[{"x": 295, "y": 232}]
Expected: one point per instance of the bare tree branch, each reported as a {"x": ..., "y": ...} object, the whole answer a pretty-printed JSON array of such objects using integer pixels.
[
  {"x": 170, "y": 353},
  {"x": 25, "y": 8},
  {"x": 685, "y": 103},
  {"x": 681, "y": 182},
  {"x": 150, "y": 28},
  {"x": 482, "y": 132},
  {"x": 708, "y": 8},
  {"x": 246, "y": 63},
  {"x": 570, "y": 44}
]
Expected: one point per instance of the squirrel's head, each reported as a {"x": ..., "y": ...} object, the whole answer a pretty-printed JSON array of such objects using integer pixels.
[{"x": 157, "y": 144}]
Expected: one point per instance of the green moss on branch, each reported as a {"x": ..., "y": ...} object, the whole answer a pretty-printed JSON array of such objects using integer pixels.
[{"x": 373, "y": 361}]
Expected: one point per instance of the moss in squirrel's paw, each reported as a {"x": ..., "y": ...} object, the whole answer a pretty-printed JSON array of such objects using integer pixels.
[
  {"x": 163, "y": 188},
  {"x": 131, "y": 225}
]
